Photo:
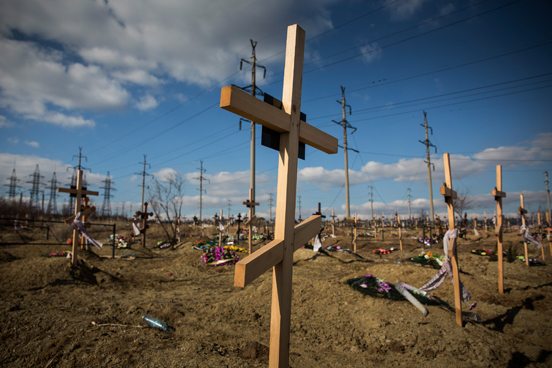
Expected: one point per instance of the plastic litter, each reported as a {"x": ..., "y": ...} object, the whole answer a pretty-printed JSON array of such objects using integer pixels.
[{"x": 154, "y": 322}]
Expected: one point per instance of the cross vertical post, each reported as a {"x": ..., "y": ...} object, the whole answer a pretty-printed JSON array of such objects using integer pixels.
[
  {"x": 84, "y": 207},
  {"x": 499, "y": 194},
  {"x": 522, "y": 212},
  {"x": 333, "y": 221},
  {"x": 400, "y": 234},
  {"x": 278, "y": 254},
  {"x": 79, "y": 192},
  {"x": 144, "y": 216},
  {"x": 252, "y": 219},
  {"x": 355, "y": 234},
  {"x": 450, "y": 195}
]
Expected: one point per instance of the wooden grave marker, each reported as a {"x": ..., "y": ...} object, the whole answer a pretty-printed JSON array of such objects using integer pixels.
[
  {"x": 548, "y": 229},
  {"x": 318, "y": 213},
  {"x": 522, "y": 212},
  {"x": 400, "y": 234},
  {"x": 144, "y": 217},
  {"x": 485, "y": 220},
  {"x": 278, "y": 254},
  {"x": 540, "y": 235},
  {"x": 499, "y": 194},
  {"x": 450, "y": 195},
  {"x": 84, "y": 207},
  {"x": 218, "y": 223},
  {"x": 333, "y": 216},
  {"x": 252, "y": 218},
  {"x": 239, "y": 221},
  {"x": 79, "y": 193},
  {"x": 355, "y": 234}
]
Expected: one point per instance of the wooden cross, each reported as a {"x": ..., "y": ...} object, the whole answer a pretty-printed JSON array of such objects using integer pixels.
[
  {"x": 333, "y": 222},
  {"x": 499, "y": 194},
  {"x": 540, "y": 235},
  {"x": 548, "y": 229},
  {"x": 84, "y": 218},
  {"x": 218, "y": 222},
  {"x": 450, "y": 196},
  {"x": 485, "y": 217},
  {"x": 318, "y": 213},
  {"x": 144, "y": 216},
  {"x": 355, "y": 234},
  {"x": 252, "y": 218},
  {"x": 522, "y": 212},
  {"x": 79, "y": 192},
  {"x": 278, "y": 254},
  {"x": 474, "y": 222},
  {"x": 400, "y": 234}
]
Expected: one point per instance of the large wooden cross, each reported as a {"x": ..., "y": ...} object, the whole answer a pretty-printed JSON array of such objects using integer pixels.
[
  {"x": 450, "y": 196},
  {"x": 252, "y": 221},
  {"x": 278, "y": 254},
  {"x": 79, "y": 193},
  {"x": 499, "y": 194},
  {"x": 144, "y": 216}
]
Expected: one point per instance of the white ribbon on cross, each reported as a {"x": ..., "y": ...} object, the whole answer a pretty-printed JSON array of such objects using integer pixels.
[
  {"x": 77, "y": 224},
  {"x": 446, "y": 268},
  {"x": 136, "y": 229},
  {"x": 528, "y": 237},
  {"x": 317, "y": 244}
]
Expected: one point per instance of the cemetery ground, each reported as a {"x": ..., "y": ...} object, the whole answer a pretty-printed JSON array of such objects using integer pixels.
[{"x": 53, "y": 315}]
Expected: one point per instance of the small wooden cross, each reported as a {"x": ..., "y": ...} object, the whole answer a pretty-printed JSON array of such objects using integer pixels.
[
  {"x": 499, "y": 194},
  {"x": 218, "y": 223},
  {"x": 79, "y": 192},
  {"x": 450, "y": 195},
  {"x": 252, "y": 218},
  {"x": 84, "y": 218},
  {"x": 522, "y": 212},
  {"x": 355, "y": 234},
  {"x": 400, "y": 234},
  {"x": 278, "y": 254},
  {"x": 239, "y": 221},
  {"x": 144, "y": 216},
  {"x": 318, "y": 213},
  {"x": 540, "y": 235},
  {"x": 333, "y": 222}
]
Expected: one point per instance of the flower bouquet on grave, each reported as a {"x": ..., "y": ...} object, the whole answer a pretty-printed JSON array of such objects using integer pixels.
[
  {"x": 57, "y": 254},
  {"x": 373, "y": 286},
  {"x": 200, "y": 245},
  {"x": 163, "y": 245},
  {"x": 218, "y": 256},
  {"x": 236, "y": 249},
  {"x": 484, "y": 252},
  {"x": 532, "y": 261},
  {"x": 427, "y": 259}
]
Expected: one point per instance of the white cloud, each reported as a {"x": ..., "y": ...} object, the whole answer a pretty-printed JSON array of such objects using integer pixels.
[
  {"x": 165, "y": 173},
  {"x": 405, "y": 9},
  {"x": 371, "y": 52},
  {"x": 32, "y": 144},
  {"x": 13, "y": 140},
  {"x": 5, "y": 123},
  {"x": 140, "y": 77},
  {"x": 133, "y": 178},
  {"x": 147, "y": 102}
]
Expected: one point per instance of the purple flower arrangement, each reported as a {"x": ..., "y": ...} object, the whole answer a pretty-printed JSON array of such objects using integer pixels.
[{"x": 219, "y": 256}]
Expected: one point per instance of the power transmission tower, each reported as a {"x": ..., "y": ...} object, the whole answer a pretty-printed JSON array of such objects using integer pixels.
[
  {"x": 52, "y": 203},
  {"x": 547, "y": 193},
  {"x": 201, "y": 190},
  {"x": 346, "y": 125},
  {"x": 254, "y": 91},
  {"x": 428, "y": 144},
  {"x": 229, "y": 205},
  {"x": 299, "y": 205},
  {"x": 35, "y": 189},
  {"x": 106, "y": 205},
  {"x": 144, "y": 174},
  {"x": 270, "y": 206},
  {"x": 73, "y": 177},
  {"x": 409, "y": 218},
  {"x": 12, "y": 186},
  {"x": 371, "y": 204}
]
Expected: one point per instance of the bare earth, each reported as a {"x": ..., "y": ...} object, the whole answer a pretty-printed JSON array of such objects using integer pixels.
[{"x": 56, "y": 316}]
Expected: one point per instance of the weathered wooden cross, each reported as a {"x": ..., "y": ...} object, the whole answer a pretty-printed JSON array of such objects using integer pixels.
[
  {"x": 333, "y": 216},
  {"x": 79, "y": 193},
  {"x": 144, "y": 216},
  {"x": 278, "y": 254},
  {"x": 218, "y": 223},
  {"x": 355, "y": 234},
  {"x": 450, "y": 196},
  {"x": 499, "y": 194},
  {"x": 522, "y": 212},
  {"x": 400, "y": 234},
  {"x": 252, "y": 221},
  {"x": 84, "y": 207}
]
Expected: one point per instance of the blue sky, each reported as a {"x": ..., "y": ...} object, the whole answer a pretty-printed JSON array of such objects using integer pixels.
[{"x": 126, "y": 78}]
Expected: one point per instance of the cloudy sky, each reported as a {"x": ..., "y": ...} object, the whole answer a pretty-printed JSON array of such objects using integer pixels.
[{"x": 123, "y": 79}]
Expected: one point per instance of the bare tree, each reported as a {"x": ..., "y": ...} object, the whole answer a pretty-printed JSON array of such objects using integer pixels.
[
  {"x": 462, "y": 203},
  {"x": 166, "y": 199}
]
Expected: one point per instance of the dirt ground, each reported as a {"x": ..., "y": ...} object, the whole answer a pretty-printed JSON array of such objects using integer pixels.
[{"x": 55, "y": 316}]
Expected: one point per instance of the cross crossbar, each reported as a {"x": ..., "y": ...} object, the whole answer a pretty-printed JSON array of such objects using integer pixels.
[
  {"x": 447, "y": 192},
  {"x": 248, "y": 269},
  {"x": 497, "y": 193},
  {"x": 87, "y": 211},
  {"x": 241, "y": 103},
  {"x": 74, "y": 191},
  {"x": 522, "y": 210}
]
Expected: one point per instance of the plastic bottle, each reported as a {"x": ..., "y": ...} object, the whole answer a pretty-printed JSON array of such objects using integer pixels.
[{"x": 154, "y": 322}]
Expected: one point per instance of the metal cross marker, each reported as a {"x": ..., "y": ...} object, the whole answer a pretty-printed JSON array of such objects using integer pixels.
[
  {"x": 278, "y": 254},
  {"x": 522, "y": 212},
  {"x": 252, "y": 218},
  {"x": 79, "y": 192},
  {"x": 499, "y": 194},
  {"x": 450, "y": 195},
  {"x": 144, "y": 216},
  {"x": 239, "y": 221}
]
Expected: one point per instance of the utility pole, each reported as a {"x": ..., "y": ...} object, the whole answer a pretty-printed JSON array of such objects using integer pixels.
[
  {"x": 428, "y": 144},
  {"x": 270, "y": 207},
  {"x": 144, "y": 174},
  {"x": 547, "y": 192},
  {"x": 299, "y": 205},
  {"x": 346, "y": 125},
  {"x": 201, "y": 190},
  {"x": 254, "y": 91},
  {"x": 409, "y": 218},
  {"x": 371, "y": 205}
]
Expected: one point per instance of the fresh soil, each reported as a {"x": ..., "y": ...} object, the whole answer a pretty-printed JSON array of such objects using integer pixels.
[{"x": 54, "y": 315}]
